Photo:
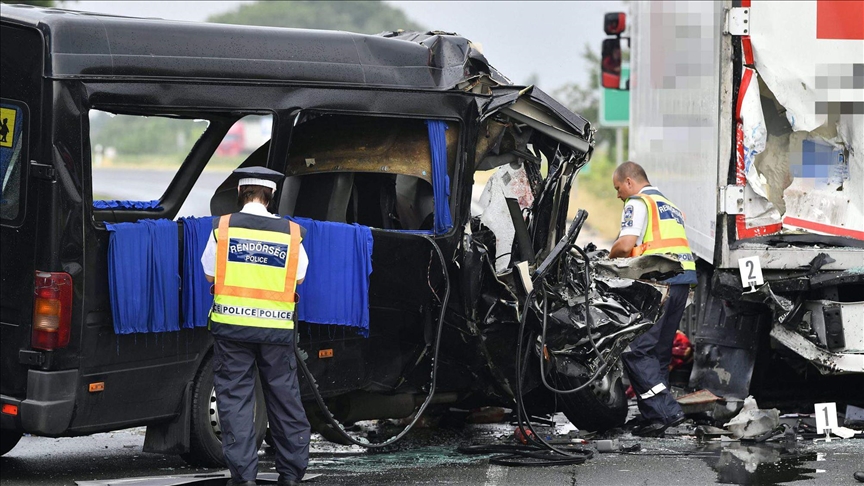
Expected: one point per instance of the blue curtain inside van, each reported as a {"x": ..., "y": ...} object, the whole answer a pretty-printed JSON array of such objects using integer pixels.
[
  {"x": 336, "y": 289},
  {"x": 144, "y": 282},
  {"x": 440, "y": 179},
  {"x": 143, "y": 276},
  {"x": 117, "y": 204},
  {"x": 196, "y": 296}
]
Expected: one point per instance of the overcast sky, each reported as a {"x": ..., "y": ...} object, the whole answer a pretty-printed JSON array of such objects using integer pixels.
[{"x": 518, "y": 38}]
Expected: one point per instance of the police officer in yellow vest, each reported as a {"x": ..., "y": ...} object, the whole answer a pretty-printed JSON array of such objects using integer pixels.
[
  {"x": 256, "y": 260},
  {"x": 651, "y": 224}
]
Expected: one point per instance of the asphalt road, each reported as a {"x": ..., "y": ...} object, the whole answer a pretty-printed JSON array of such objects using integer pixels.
[
  {"x": 430, "y": 456},
  {"x": 147, "y": 185}
]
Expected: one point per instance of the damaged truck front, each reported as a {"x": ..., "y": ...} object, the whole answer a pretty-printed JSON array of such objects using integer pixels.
[{"x": 749, "y": 115}]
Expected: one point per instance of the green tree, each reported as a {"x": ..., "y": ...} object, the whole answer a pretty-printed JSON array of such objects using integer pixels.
[
  {"x": 151, "y": 138},
  {"x": 35, "y": 3},
  {"x": 370, "y": 17}
]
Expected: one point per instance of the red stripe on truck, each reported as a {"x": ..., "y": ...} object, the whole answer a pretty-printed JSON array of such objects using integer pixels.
[
  {"x": 747, "y": 47},
  {"x": 742, "y": 90},
  {"x": 823, "y": 228},
  {"x": 839, "y": 19}
]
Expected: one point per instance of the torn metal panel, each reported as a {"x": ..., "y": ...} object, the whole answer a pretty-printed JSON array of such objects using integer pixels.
[
  {"x": 658, "y": 267},
  {"x": 825, "y": 361},
  {"x": 793, "y": 60},
  {"x": 507, "y": 182},
  {"x": 782, "y": 308},
  {"x": 823, "y": 197},
  {"x": 541, "y": 112},
  {"x": 782, "y": 252},
  {"x": 492, "y": 134},
  {"x": 759, "y": 210},
  {"x": 812, "y": 76}
]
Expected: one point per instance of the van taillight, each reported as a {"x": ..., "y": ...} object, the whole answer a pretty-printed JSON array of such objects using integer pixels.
[{"x": 52, "y": 311}]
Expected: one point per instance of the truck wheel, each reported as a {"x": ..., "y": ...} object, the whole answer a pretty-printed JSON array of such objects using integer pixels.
[
  {"x": 205, "y": 438},
  {"x": 8, "y": 439},
  {"x": 600, "y": 406}
]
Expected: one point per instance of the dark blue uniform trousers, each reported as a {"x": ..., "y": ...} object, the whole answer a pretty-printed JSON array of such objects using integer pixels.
[
  {"x": 234, "y": 380},
  {"x": 648, "y": 356}
]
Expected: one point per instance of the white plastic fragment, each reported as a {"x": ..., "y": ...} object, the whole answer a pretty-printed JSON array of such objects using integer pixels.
[
  {"x": 752, "y": 422},
  {"x": 507, "y": 182},
  {"x": 843, "y": 432}
]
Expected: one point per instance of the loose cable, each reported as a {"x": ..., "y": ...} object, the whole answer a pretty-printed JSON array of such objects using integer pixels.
[{"x": 337, "y": 427}]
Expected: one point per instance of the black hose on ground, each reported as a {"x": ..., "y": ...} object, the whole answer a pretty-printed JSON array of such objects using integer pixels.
[
  {"x": 516, "y": 455},
  {"x": 323, "y": 406}
]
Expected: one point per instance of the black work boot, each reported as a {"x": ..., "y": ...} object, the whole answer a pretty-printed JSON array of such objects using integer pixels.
[
  {"x": 283, "y": 481},
  {"x": 239, "y": 482},
  {"x": 655, "y": 428}
]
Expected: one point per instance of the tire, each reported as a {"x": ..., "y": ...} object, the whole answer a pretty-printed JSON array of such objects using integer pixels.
[
  {"x": 599, "y": 407},
  {"x": 205, "y": 443},
  {"x": 9, "y": 439}
]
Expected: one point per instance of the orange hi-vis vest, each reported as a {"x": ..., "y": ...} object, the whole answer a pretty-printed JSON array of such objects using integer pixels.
[
  {"x": 256, "y": 278},
  {"x": 665, "y": 230}
]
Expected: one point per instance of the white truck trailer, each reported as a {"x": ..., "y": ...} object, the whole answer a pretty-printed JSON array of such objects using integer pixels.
[{"x": 750, "y": 116}]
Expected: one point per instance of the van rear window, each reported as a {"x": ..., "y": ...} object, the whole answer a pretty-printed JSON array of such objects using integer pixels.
[{"x": 13, "y": 153}]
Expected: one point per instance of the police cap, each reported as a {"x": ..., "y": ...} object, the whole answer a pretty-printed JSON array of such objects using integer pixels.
[{"x": 258, "y": 176}]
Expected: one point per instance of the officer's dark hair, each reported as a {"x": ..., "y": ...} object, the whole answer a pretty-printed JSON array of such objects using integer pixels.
[
  {"x": 631, "y": 170},
  {"x": 250, "y": 193}
]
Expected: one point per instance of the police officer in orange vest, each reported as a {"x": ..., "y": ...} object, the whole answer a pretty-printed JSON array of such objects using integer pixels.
[
  {"x": 651, "y": 224},
  {"x": 256, "y": 260}
]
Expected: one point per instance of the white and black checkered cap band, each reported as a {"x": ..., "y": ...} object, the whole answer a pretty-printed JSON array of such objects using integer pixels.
[{"x": 257, "y": 182}]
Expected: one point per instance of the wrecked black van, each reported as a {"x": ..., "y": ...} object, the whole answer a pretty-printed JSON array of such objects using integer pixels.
[{"x": 382, "y": 138}]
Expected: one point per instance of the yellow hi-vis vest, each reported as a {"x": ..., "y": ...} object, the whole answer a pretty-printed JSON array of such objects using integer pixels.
[
  {"x": 256, "y": 277},
  {"x": 665, "y": 230}
]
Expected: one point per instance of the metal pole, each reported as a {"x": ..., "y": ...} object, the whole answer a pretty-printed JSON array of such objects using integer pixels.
[{"x": 619, "y": 145}]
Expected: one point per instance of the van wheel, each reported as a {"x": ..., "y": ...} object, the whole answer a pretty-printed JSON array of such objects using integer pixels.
[
  {"x": 205, "y": 438},
  {"x": 599, "y": 407},
  {"x": 9, "y": 439}
]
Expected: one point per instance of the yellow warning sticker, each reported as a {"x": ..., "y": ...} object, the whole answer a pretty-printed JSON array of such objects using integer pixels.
[{"x": 7, "y": 127}]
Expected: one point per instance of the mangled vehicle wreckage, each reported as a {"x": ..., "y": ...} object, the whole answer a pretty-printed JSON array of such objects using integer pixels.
[
  {"x": 380, "y": 138},
  {"x": 764, "y": 157}
]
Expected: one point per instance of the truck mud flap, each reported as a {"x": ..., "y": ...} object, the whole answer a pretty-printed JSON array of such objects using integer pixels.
[{"x": 725, "y": 349}]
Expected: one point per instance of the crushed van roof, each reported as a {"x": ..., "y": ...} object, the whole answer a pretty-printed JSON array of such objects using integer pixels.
[{"x": 86, "y": 45}]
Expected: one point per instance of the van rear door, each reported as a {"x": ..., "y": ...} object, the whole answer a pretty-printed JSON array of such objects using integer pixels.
[{"x": 21, "y": 62}]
